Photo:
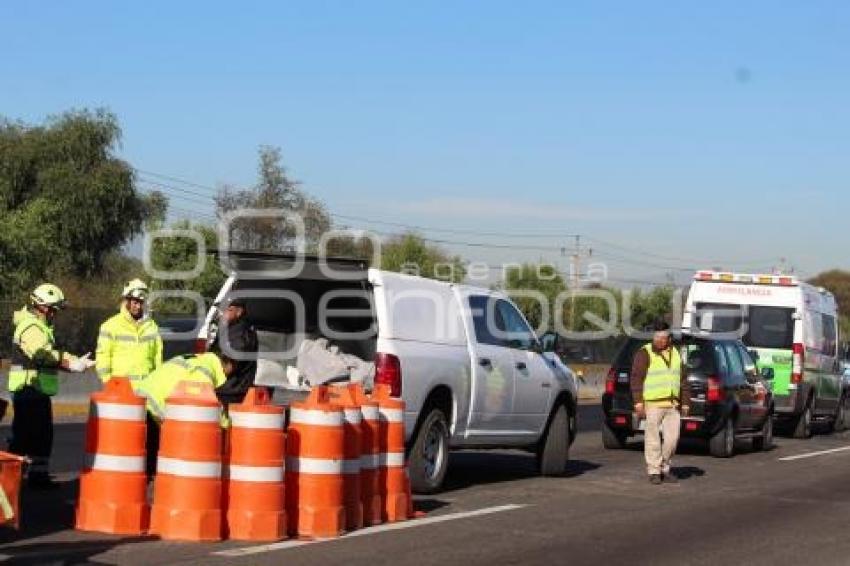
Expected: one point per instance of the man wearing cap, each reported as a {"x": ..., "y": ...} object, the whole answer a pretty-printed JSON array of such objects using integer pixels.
[
  {"x": 237, "y": 339},
  {"x": 129, "y": 344}
]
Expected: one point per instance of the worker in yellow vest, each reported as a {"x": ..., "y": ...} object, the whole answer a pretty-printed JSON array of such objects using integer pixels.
[
  {"x": 34, "y": 379},
  {"x": 158, "y": 386},
  {"x": 129, "y": 344},
  {"x": 660, "y": 393}
]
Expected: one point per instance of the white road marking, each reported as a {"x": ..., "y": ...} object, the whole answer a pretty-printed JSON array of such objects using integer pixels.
[
  {"x": 812, "y": 454},
  {"x": 246, "y": 551}
]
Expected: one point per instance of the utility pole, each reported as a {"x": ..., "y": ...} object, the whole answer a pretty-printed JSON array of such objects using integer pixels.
[{"x": 575, "y": 276}]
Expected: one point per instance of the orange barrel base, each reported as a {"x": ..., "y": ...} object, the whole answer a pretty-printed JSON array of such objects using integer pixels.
[
  {"x": 262, "y": 521},
  {"x": 194, "y": 512},
  {"x": 98, "y": 514},
  {"x": 397, "y": 500},
  {"x": 320, "y": 515}
]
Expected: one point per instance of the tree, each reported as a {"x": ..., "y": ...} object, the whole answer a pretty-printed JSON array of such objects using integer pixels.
[
  {"x": 275, "y": 191},
  {"x": 646, "y": 308},
  {"x": 66, "y": 201},
  {"x": 409, "y": 253},
  {"x": 540, "y": 278},
  {"x": 181, "y": 254}
]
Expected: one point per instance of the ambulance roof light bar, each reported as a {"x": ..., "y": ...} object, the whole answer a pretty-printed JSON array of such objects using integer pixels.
[{"x": 746, "y": 278}]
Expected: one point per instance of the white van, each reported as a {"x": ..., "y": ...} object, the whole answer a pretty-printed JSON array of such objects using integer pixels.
[
  {"x": 791, "y": 326},
  {"x": 465, "y": 361}
]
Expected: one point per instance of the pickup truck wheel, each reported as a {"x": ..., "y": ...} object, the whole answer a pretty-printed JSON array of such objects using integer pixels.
[
  {"x": 429, "y": 456},
  {"x": 803, "y": 428},
  {"x": 722, "y": 444},
  {"x": 555, "y": 446},
  {"x": 611, "y": 439}
]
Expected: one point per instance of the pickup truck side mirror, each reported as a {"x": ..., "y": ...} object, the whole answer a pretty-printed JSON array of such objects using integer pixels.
[
  {"x": 548, "y": 342},
  {"x": 767, "y": 374}
]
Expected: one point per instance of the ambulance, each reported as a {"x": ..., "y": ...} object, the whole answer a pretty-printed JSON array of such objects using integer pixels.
[{"x": 791, "y": 326}]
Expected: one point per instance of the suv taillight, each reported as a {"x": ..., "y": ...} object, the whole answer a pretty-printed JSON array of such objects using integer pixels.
[
  {"x": 797, "y": 363},
  {"x": 388, "y": 372},
  {"x": 611, "y": 381},
  {"x": 715, "y": 390},
  {"x": 200, "y": 346}
]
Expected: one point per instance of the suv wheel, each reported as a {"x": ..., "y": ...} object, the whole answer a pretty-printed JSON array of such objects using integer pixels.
[
  {"x": 611, "y": 439},
  {"x": 803, "y": 428},
  {"x": 429, "y": 455},
  {"x": 765, "y": 441},
  {"x": 722, "y": 444},
  {"x": 554, "y": 448}
]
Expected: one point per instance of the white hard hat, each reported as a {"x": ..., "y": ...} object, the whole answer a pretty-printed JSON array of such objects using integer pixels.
[{"x": 135, "y": 289}]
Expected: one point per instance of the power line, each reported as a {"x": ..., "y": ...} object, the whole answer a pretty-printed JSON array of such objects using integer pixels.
[
  {"x": 452, "y": 230},
  {"x": 432, "y": 229}
]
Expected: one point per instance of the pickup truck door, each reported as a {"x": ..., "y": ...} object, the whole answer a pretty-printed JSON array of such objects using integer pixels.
[
  {"x": 533, "y": 374},
  {"x": 492, "y": 383}
]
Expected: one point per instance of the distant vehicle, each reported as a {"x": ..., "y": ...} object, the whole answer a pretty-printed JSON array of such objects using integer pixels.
[
  {"x": 465, "y": 361},
  {"x": 730, "y": 398},
  {"x": 793, "y": 329}
]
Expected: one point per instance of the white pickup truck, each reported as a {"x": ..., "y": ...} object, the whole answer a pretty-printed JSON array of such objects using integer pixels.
[{"x": 469, "y": 368}]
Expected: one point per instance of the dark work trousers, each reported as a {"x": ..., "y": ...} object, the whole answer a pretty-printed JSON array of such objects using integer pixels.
[
  {"x": 151, "y": 446},
  {"x": 32, "y": 428}
]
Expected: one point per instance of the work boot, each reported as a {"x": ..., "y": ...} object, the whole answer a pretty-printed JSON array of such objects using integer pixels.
[
  {"x": 42, "y": 482},
  {"x": 670, "y": 477},
  {"x": 655, "y": 479}
]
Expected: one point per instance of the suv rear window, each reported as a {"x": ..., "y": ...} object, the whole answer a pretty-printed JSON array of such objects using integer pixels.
[{"x": 699, "y": 358}]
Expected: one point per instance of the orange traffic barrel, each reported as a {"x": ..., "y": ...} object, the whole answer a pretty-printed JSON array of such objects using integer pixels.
[
  {"x": 370, "y": 456},
  {"x": 187, "y": 489},
  {"x": 315, "y": 492},
  {"x": 352, "y": 423},
  {"x": 394, "y": 484},
  {"x": 11, "y": 474},
  {"x": 255, "y": 488},
  {"x": 113, "y": 483}
]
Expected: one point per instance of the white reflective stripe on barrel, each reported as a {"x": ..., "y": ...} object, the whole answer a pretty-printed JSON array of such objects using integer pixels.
[
  {"x": 391, "y": 415},
  {"x": 392, "y": 459},
  {"x": 192, "y": 413},
  {"x": 188, "y": 468},
  {"x": 119, "y": 411},
  {"x": 111, "y": 463},
  {"x": 319, "y": 466},
  {"x": 271, "y": 474},
  {"x": 351, "y": 466},
  {"x": 270, "y": 421},
  {"x": 370, "y": 461},
  {"x": 353, "y": 416},
  {"x": 370, "y": 412},
  {"x": 314, "y": 417}
]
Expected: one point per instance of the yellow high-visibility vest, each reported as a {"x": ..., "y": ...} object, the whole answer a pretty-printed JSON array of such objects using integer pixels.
[
  {"x": 127, "y": 348},
  {"x": 158, "y": 386},
  {"x": 662, "y": 382}
]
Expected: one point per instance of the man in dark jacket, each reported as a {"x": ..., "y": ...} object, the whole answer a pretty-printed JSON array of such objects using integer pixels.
[{"x": 242, "y": 342}]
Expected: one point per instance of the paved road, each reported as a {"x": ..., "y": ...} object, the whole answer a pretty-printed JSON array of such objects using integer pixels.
[{"x": 753, "y": 508}]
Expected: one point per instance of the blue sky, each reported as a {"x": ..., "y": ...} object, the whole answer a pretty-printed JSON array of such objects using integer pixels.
[{"x": 695, "y": 131}]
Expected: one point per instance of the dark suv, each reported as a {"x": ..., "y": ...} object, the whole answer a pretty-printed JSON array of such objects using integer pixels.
[{"x": 730, "y": 398}]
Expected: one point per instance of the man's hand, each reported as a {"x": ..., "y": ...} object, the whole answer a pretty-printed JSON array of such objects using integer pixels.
[{"x": 639, "y": 410}]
